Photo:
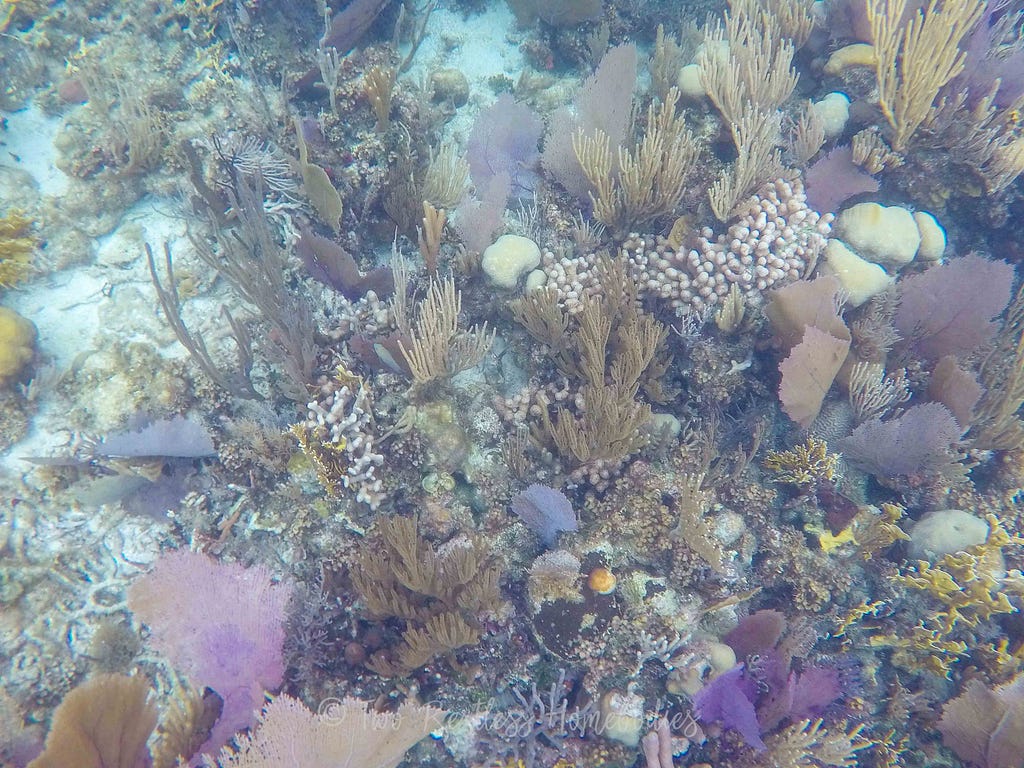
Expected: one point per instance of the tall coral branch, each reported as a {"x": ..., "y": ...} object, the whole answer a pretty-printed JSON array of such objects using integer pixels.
[{"x": 914, "y": 62}]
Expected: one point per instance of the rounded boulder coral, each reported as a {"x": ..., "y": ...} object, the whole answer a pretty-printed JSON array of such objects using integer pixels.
[{"x": 17, "y": 337}]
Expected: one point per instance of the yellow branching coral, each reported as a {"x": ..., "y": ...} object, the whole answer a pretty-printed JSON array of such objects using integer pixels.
[
  {"x": 965, "y": 583},
  {"x": 876, "y": 528},
  {"x": 871, "y": 529},
  {"x": 855, "y": 614},
  {"x": 16, "y": 246},
  {"x": 804, "y": 464},
  {"x": 923, "y": 649},
  {"x": 203, "y": 16},
  {"x": 970, "y": 589},
  {"x": 998, "y": 660},
  {"x": 828, "y": 541}
]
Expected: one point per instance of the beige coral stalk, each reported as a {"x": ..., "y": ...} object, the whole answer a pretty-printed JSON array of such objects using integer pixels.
[{"x": 913, "y": 62}]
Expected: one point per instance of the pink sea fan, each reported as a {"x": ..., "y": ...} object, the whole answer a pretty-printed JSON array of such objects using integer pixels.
[
  {"x": 757, "y": 633},
  {"x": 219, "y": 623},
  {"x": 949, "y": 309},
  {"x": 956, "y": 388}
]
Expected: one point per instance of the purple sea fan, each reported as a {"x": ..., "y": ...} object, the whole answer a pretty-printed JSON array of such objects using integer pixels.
[
  {"x": 834, "y": 179},
  {"x": 921, "y": 441},
  {"x": 545, "y": 511},
  {"x": 949, "y": 309},
  {"x": 222, "y": 625},
  {"x": 729, "y": 699},
  {"x": 177, "y": 437},
  {"x": 504, "y": 139}
]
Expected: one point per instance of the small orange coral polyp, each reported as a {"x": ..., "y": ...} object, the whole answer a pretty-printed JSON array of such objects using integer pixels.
[{"x": 602, "y": 581}]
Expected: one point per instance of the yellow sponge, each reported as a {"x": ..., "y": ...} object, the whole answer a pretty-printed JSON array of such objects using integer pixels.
[{"x": 17, "y": 337}]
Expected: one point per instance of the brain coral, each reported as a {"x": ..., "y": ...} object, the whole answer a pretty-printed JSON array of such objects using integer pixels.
[{"x": 17, "y": 337}]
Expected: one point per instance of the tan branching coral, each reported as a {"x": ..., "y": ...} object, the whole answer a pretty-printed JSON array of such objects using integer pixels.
[
  {"x": 692, "y": 503},
  {"x": 871, "y": 152},
  {"x": 758, "y": 160},
  {"x": 747, "y": 71},
  {"x": 615, "y": 344},
  {"x": 807, "y": 744},
  {"x": 913, "y": 62},
  {"x": 667, "y": 58},
  {"x": 996, "y": 423},
  {"x": 649, "y": 180},
  {"x": 380, "y": 87},
  {"x": 429, "y": 235},
  {"x": 439, "y": 592},
  {"x": 747, "y": 63},
  {"x": 807, "y": 135},
  {"x": 794, "y": 18},
  {"x": 446, "y": 178},
  {"x": 437, "y": 348},
  {"x": 729, "y": 316},
  {"x": 872, "y": 393},
  {"x": 538, "y": 312}
]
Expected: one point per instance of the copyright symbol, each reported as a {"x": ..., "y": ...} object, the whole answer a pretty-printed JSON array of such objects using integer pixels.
[{"x": 332, "y": 711}]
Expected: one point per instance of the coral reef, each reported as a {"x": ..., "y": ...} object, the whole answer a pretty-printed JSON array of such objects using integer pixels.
[{"x": 643, "y": 455}]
